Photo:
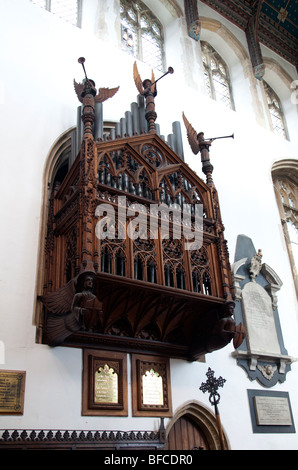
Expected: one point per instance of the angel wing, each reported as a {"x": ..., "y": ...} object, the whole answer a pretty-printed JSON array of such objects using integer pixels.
[
  {"x": 79, "y": 87},
  {"x": 137, "y": 79},
  {"x": 60, "y": 301},
  {"x": 152, "y": 81},
  {"x": 105, "y": 93},
  {"x": 192, "y": 136}
]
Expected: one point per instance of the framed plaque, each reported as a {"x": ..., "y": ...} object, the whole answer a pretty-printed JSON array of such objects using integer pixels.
[
  {"x": 104, "y": 383},
  {"x": 12, "y": 391},
  {"x": 271, "y": 412},
  {"x": 151, "y": 387}
]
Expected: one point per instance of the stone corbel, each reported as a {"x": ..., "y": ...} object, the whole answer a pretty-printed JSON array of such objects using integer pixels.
[
  {"x": 192, "y": 19},
  {"x": 253, "y": 358}
]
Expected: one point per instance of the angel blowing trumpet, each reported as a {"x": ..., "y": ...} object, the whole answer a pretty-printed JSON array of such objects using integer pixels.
[
  {"x": 147, "y": 88},
  {"x": 87, "y": 94},
  {"x": 82, "y": 89}
]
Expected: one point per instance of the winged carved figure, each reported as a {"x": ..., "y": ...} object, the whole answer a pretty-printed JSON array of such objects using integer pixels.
[
  {"x": 60, "y": 301},
  {"x": 70, "y": 309},
  {"x": 140, "y": 84},
  {"x": 102, "y": 95},
  {"x": 192, "y": 136}
]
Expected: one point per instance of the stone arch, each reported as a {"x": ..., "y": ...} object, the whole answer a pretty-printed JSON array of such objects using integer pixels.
[
  {"x": 59, "y": 149},
  {"x": 226, "y": 38},
  {"x": 281, "y": 73},
  {"x": 204, "y": 418}
]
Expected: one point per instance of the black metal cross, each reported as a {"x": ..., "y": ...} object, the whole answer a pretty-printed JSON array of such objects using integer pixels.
[{"x": 211, "y": 386}]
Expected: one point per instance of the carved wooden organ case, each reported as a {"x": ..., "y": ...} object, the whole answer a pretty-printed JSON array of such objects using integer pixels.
[{"x": 146, "y": 292}]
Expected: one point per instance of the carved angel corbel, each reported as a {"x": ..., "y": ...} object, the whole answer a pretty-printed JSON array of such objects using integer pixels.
[
  {"x": 267, "y": 370},
  {"x": 72, "y": 308}
]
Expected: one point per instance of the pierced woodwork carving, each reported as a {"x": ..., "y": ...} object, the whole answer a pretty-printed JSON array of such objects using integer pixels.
[{"x": 47, "y": 439}]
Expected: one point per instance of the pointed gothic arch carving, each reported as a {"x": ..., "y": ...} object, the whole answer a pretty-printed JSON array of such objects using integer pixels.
[
  {"x": 204, "y": 419},
  {"x": 60, "y": 152}
]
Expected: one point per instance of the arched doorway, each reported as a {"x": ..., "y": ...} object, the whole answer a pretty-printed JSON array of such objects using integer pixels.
[
  {"x": 193, "y": 427},
  {"x": 186, "y": 435}
]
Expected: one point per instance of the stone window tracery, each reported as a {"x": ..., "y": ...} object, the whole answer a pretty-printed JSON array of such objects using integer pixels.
[
  {"x": 275, "y": 111},
  {"x": 216, "y": 76},
  {"x": 141, "y": 33},
  {"x": 285, "y": 179},
  {"x": 69, "y": 10}
]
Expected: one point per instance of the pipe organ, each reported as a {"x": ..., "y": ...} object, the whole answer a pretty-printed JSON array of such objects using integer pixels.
[{"x": 125, "y": 219}]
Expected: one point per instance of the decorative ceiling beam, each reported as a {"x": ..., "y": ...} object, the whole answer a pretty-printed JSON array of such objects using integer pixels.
[
  {"x": 252, "y": 36},
  {"x": 192, "y": 19}
]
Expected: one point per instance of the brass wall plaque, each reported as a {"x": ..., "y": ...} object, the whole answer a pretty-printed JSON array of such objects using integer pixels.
[
  {"x": 106, "y": 385},
  {"x": 12, "y": 390}
]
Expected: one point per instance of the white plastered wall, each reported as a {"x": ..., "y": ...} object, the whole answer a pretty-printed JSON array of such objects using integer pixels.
[{"x": 38, "y": 104}]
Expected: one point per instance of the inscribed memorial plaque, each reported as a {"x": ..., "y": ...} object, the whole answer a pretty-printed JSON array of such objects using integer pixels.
[
  {"x": 260, "y": 323},
  {"x": 12, "y": 389},
  {"x": 272, "y": 411},
  {"x": 106, "y": 385},
  {"x": 152, "y": 388}
]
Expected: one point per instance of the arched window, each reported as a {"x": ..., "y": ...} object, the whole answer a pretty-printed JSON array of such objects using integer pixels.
[
  {"x": 216, "y": 76},
  {"x": 141, "y": 33},
  {"x": 69, "y": 10},
  {"x": 285, "y": 179},
  {"x": 275, "y": 111}
]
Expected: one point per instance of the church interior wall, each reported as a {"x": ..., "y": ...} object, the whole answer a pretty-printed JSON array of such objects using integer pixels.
[{"x": 39, "y": 104}]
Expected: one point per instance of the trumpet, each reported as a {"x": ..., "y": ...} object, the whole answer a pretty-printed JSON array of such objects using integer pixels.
[
  {"x": 170, "y": 70},
  {"x": 224, "y": 137}
]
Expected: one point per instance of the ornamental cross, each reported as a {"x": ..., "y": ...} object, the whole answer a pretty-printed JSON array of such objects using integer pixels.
[{"x": 211, "y": 386}]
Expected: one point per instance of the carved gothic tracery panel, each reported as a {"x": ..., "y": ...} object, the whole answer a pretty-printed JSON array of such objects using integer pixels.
[{"x": 126, "y": 212}]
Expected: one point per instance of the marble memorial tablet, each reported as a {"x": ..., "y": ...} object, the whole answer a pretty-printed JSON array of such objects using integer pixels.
[
  {"x": 260, "y": 323},
  {"x": 272, "y": 411}
]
